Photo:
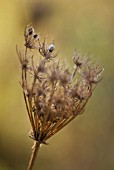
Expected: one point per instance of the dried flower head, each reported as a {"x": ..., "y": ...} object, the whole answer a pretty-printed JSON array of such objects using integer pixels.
[
  {"x": 31, "y": 38},
  {"x": 53, "y": 94}
]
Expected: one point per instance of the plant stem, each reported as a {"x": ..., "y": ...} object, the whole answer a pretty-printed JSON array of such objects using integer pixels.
[{"x": 33, "y": 155}]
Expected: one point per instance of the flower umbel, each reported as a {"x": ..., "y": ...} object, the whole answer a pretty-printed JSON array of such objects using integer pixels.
[{"x": 53, "y": 94}]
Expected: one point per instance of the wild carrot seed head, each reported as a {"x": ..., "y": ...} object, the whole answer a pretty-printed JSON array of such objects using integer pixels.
[{"x": 53, "y": 94}]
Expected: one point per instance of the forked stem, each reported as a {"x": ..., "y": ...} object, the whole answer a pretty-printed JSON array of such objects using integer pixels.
[{"x": 35, "y": 148}]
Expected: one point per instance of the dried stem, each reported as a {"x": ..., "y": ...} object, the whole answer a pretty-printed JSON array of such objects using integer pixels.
[{"x": 35, "y": 148}]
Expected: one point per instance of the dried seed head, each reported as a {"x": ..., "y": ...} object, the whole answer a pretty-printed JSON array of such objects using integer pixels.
[
  {"x": 93, "y": 73},
  {"x": 56, "y": 95},
  {"x": 78, "y": 59},
  {"x": 31, "y": 38},
  {"x": 65, "y": 77}
]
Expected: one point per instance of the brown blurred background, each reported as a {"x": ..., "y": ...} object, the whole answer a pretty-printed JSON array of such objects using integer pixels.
[{"x": 87, "y": 25}]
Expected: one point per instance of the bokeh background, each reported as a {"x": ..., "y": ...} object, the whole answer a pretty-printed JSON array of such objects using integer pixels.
[{"x": 87, "y": 25}]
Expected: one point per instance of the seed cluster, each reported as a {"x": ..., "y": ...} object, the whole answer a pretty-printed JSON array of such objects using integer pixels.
[{"x": 53, "y": 94}]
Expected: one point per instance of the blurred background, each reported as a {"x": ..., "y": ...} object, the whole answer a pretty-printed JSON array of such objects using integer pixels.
[{"x": 87, "y": 143}]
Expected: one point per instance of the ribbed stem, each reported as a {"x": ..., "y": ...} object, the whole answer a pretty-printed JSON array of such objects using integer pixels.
[{"x": 33, "y": 155}]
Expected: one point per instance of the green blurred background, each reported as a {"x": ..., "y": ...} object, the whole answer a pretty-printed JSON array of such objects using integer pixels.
[{"x": 87, "y": 25}]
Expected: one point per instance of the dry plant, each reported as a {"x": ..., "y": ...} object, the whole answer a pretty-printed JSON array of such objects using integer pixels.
[{"x": 53, "y": 94}]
